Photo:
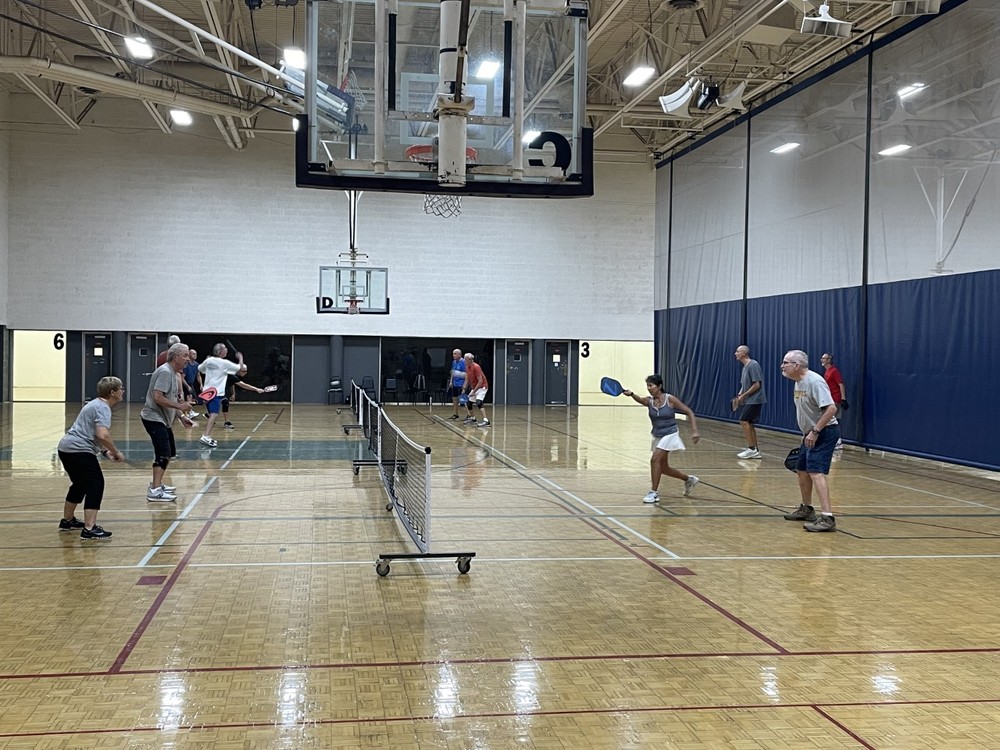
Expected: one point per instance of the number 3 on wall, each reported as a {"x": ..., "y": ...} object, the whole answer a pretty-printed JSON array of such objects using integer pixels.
[
  {"x": 585, "y": 349},
  {"x": 59, "y": 341}
]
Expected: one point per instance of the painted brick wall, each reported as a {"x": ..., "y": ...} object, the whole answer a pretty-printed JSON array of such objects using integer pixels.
[{"x": 126, "y": 228}]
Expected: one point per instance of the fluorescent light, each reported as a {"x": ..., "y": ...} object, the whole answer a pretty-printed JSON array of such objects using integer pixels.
[
  {"x": 180, "y": 117},
  {"x": 294, "y": 58},
  {"x": 639, "y": 76},
  {"x": 139, "y": 48},
  {"x": 910, "y": 90},
  {"x": 295, "y": 124},
  {"x": 893, "y": 150},
  {"x": 487, "y": 69},
  {"x": 530, "y": 135},
  {"x": 784, "y": 148}
]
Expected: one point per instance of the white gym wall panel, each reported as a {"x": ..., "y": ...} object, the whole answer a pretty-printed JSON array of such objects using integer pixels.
[{"x": 122, "y": 223}]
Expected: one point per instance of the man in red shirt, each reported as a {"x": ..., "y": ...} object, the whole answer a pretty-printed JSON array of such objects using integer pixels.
[
  {"x": 476, "y": 386},
  {"x": 836, "y": 383}
]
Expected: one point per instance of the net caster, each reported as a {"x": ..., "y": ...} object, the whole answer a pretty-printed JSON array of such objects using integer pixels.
[
  {"x": 464, "y": 563},
  {"x": 382, "y": 568},
  {"x": 356, "y": 470}
]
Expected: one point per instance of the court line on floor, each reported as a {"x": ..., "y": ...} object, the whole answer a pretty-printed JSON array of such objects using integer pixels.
[
  {"x": 483, "y": 559},
  {"x": 928, "y": 492},
  {"x": 197, "y": 498},
  {"x": 519, "y": 714}
]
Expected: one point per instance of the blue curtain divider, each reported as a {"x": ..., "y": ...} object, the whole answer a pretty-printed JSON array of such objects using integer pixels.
[{"x": 931, "y": 362}]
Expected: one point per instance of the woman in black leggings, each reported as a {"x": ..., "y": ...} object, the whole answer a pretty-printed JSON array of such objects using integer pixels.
[{"x": 89, "y": 436}]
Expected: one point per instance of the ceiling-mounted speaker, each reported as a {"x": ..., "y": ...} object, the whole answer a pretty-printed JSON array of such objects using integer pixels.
[
  {"x": 826, "y": 25},
  {"x": 734, "y": 99},
  {"x": 902, "y": 8},
  {"x": 676, "y": 104}
]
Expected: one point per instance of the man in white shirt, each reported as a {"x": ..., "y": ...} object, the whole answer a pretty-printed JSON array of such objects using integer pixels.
[{"x": 214, "y": 371}]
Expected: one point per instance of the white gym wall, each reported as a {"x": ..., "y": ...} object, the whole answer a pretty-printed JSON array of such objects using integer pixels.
[{"x": 120, "y": 226}]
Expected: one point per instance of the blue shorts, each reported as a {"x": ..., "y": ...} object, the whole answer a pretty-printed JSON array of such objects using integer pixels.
[
  {"x": 214, "y": 406},
  {"x": 816, "y": 460}
]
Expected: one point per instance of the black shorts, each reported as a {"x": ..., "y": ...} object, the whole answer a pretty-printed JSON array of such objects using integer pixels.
[
  {"x": 86, "y": 479},
  {"x": 162, "y": 437},
  {"x": 750, "y": 413},
  {"x": 454, "y": 391}
]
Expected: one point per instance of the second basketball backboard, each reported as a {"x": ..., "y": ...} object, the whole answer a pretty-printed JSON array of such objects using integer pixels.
[{"x": 380, "y": 72}]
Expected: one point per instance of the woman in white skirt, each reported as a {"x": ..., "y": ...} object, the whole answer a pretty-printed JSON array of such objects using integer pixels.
[{"x": 662, "y": 413}]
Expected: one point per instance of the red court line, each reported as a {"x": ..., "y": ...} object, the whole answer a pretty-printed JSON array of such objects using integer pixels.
[
  {"x": 502, "y": 660},
  {"x": 843, "y": 728},
  {"x": 147, "y": 619},
  {"x": 663, "y": 571},
  {"x": 509, "y": 714}
]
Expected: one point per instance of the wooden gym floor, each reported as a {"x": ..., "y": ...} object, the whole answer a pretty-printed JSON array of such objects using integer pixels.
[{"x": 250, "y": 615}]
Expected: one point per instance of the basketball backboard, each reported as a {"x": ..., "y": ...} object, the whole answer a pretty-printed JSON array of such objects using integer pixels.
[
  {"x": 383, "y": 88},
  {"x": 358, "y": 289}
]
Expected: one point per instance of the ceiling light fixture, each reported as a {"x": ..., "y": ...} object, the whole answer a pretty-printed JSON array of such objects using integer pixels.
[
  {"x": 487, "y": 69},
  {"x": 893, "y": 150},
  {"x": 294, "y": 57},
  {"x": 784, "y": 148},
  {"x": 910, "y": 90},
  {"x": 181, "y": 117},
  {"x": 639, "y": 76},
  {"x": 139, "y": 48}
]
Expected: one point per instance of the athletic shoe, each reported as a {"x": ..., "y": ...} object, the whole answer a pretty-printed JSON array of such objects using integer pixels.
[
  {"x": 823, "y": 523},
  {"x": 167, "y": 488},
  {"x": 206, "y": 440},
  {"x": 228, "y": 425},
  {"x": 453, "y": 416},
  {"x": 469, "y": 420},
  {"x": 484, "y": 423},
  {"x": 689, "y": 484},
  {"x": 651, "y": 497},
  {"x": 749, "y": 453},
  {"x": 95, "y": 533},
  {"x": 802, "y": 513},
  {"x": 70, "y": 525},
  {"x": 159, "y": 495},
  {"x": 192, "y": 414}
]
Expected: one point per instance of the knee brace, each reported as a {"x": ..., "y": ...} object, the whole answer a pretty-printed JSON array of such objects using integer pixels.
[
  {"x": 161, "y": 461},
  {"x": 225, "y": 404},
  {"x": 479, "y": 404}
]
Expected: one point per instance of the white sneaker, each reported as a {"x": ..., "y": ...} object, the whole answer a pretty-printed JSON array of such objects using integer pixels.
[
  {"x": 469, "y": 420},
  {"x": 651, "y": 497},
  {"x": 749, "y": 453},
  {"x": 167, "y": 488},
  {"x": 206, "y": 440},
  {"x": 159, "y": 495},
  {"x": 192, "y": 414},
  {"x": 689, "y": 484},
  {"x": 484, "y": 423}
]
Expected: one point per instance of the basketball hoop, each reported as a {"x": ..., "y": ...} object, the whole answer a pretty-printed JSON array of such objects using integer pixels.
[
  {"x": 444, "y": 205},
  {"x": 352, "y": 307}
]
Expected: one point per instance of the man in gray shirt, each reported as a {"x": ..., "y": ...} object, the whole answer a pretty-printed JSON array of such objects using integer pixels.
[
  {"x": 164, "y": 403},
  {"x": 816, "y": 413},
  {"x": 749, "y": 400}
]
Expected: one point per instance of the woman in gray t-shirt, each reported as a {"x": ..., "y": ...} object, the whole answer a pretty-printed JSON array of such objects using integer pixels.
[{"x": 89, "y": 436}]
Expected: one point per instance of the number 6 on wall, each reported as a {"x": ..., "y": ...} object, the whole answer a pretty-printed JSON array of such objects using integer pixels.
[{"x": 59, "y": 341}]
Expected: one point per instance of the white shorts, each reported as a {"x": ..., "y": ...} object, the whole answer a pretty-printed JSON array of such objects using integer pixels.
[
  {"x": 477, "y": 395},
  {"x": 671, "y": 442}
]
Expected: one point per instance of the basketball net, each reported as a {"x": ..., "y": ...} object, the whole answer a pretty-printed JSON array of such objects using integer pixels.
[
  {"x": 445, "y": 206},
  {"x": 352, "y": 307}
]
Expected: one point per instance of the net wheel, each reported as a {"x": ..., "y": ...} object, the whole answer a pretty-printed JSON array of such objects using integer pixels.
[
  {"x": 382, "y": 568},
  {"x": 388, "y": 506},
  {"x": 356, "y": 470},
  {"x": 464, "y": 563}
]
